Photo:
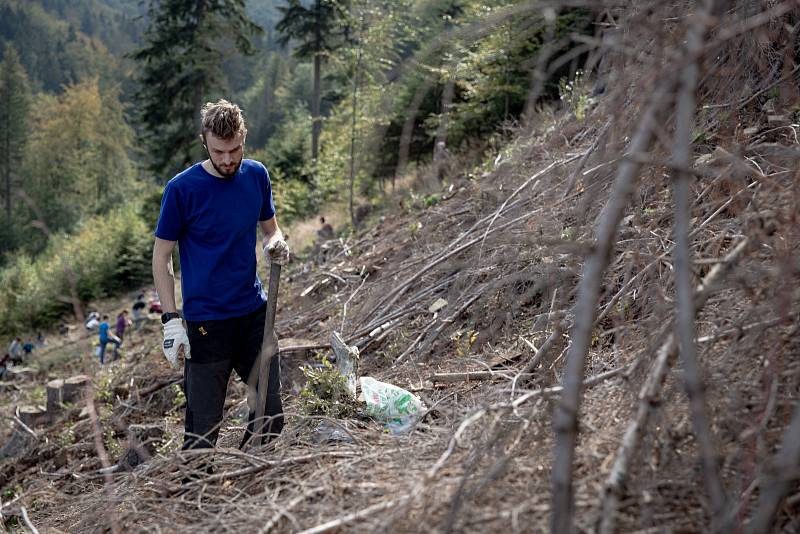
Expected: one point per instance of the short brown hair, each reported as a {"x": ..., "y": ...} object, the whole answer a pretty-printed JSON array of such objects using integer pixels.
[{"x": 223, "y": 119}]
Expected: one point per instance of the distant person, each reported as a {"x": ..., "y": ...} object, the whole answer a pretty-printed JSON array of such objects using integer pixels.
[
  {"x": 40, "y": 340},
  {"x": 4, "y": 362},
  {"x": 92, "y": 320},
  {"x": 211, "y": 210},
  {"x": 326, "y": 230},
  {"x": 122, "y": 322},
  {"x": 15, "y": 351},
  {"x": 27, "y": 349},
  {"x": 138, "y": 312},
  {"x": 105, "y": 338},
  {"x": 155, "y": 305}
]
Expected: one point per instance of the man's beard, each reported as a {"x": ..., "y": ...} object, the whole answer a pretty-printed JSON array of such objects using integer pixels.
[
  {"x": 220, "y": 171},
  {"x": 226, "y": 174}
]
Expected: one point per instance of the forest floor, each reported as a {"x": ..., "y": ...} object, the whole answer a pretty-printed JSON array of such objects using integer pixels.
[{"x": 502, "y": 242}]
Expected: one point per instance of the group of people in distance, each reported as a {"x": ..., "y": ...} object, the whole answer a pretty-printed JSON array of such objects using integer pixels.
[
  {"x": 104, "y": 333},
  {"x": 18, "y": 352}
]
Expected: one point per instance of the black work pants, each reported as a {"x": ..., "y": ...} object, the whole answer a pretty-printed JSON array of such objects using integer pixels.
[{"x": 217, "y": 348}]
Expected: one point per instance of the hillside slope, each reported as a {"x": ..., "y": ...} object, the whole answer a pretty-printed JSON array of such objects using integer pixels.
[{"x": 505, "y": 243}]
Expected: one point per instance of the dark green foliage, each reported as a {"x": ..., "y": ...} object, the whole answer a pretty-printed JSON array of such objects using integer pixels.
[
  {"x": 14, "y": 109},
  {"x": 326, "y": 393},
  {"x": 497, "y": 79},
  {"x": 268, "y": 104},
  {"x": 151, "y": 206},
  {"x": 181, "y": 67},
  {"x": 62, "y": 42},
  {"x": 314, "y": 29}
]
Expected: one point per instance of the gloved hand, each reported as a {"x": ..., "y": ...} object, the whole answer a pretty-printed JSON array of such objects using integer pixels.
[
  {"x": 174, "y": 337},
  {"x": 277, "y": 252}
]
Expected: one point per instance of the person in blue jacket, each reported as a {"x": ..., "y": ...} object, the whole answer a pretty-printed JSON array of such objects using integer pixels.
[
  {"x": 211, "y": 210},
  {"x": 105, "y": 338}
]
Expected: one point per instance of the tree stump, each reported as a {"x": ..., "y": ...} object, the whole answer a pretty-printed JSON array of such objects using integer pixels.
[
  {"x": 143, "y": 441},
  {"x": 55, "y": 391},
  {"x": 291, "y": 360},
  {"x": 74, "y": 389},
  {"x": 32, "y": 416}
]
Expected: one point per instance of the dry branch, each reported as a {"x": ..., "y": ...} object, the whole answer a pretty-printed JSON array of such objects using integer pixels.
[
  {"x": 648, "y": 397},
  {"x": 547, "y": 346},
  {"x": 684, "y": 305},
  {"x": 782, "y": 477},
  {"x": 463, "y": 377},
  {"x": 387, "y": 302},
  {"x": 565, "y": 421}
]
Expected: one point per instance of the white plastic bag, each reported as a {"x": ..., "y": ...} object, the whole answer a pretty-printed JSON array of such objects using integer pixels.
[{"x": 390, "y": 404}]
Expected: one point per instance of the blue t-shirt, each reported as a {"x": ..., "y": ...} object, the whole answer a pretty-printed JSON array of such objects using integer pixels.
[
  {"x": 214, "y": 222},
  {"x": 103, "y": 332}
]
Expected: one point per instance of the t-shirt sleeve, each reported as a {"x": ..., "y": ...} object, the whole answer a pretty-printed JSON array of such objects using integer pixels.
[
  {"x": 170, "y": 220},
  {"x": 268, "y": 205}
]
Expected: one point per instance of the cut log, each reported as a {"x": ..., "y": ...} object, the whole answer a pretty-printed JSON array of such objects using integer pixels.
[
  {"x": 19, "y": 373},
  {"x": 32, "y": 416},
  {"x": 74, "y": 389},
  {"x": 55, "y": 391},
  {"x": 463, "y": 377},
  {"x": 293, "y": 347}
]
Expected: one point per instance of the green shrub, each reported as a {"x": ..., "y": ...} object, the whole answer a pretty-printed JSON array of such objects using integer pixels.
[
  {"x": 107, "y": 254},
  {"x": 326, "y": 393}
]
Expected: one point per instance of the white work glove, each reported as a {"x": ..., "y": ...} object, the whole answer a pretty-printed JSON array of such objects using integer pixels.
[
  {"x": 277, "y": 252},
  {"x": 174, "y": 337}
]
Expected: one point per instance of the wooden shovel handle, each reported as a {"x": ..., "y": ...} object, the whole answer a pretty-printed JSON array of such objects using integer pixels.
[{"x": 269, "y": 348}]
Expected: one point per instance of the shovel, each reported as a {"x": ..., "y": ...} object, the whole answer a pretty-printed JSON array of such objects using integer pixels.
[{"x": 269, "y": 348}]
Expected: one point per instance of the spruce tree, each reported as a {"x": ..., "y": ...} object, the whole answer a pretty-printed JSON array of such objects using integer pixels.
[
  {"x": 318, "y": 31},
  {"x": 14, "y": 108},
  {"x": 181, "y": 64}
]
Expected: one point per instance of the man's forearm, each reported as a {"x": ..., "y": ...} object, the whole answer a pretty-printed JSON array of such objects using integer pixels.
[
  {"x": 274, "y": 236},
  {"x": 165, "y": 284}
]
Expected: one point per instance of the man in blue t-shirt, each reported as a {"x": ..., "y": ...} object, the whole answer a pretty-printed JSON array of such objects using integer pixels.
[{"x": 211, "y": 211}]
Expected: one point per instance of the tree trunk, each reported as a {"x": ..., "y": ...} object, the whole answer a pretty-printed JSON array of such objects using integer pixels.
[
  {"x": 316, "y": 96},
  {"x": 440, "y": 146},
  {"x": 408, "y": 130},
  {"x": 75, "y": 388},
  {"x": 199, "y": 89},
  {"x": 7, "y": 155},
  {"x": 353, "y": 136}
]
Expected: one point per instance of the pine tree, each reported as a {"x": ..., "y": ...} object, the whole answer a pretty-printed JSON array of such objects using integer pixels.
[
  {"x": 14, "y": 108},
  {"x": 181, "y": 65},
  {"x": 318, "y": 31}
]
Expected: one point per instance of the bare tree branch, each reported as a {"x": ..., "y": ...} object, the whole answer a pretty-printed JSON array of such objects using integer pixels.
[
  {"x": 783, "y": 476},
  {"x": 648, "y": 396},
  {"x": 565, "y": 420},
  {"x": 685, "y": 312}
]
